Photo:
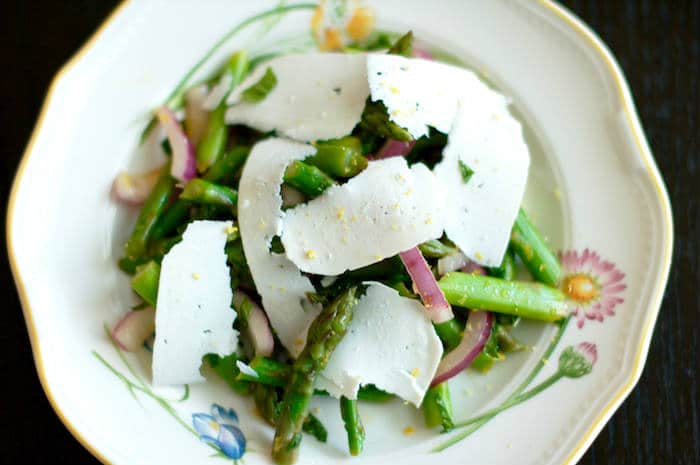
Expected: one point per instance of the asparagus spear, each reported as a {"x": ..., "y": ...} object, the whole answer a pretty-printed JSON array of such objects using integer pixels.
[
  {"x": 353, "y": 425},
  {"x": 216, "y": 135},
  {"x": 273, "y": 373},
  {"x": 526, "y": 299},
  {"x": 205, "y": 192},
  {"x": 324, "y": 335},
  {"x": 437, "y": 407},
  {"x": 315, "y": 428},
  {"x": 214, "y": 141},
  {"x": 227, "y": 165},
  {"x": 224, "y": 168},
  {"x": 530, "y": 246},
  {"x": 152, "y": 210},
  {"x": 306, "y": 178}
]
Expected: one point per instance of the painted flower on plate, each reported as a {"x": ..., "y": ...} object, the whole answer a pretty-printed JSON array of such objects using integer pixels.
[
  {"x": 219, "y": 428},
  {"x": 592, "y": 284}
]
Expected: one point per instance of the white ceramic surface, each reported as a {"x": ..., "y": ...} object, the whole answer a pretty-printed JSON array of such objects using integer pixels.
[{"x": 593, "y": 184}]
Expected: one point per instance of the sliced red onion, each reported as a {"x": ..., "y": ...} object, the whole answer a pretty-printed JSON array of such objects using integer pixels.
[
  {"x": 473, "y": 268},
  {"x": 196, "y": 115},
  {"x": 184, "y": 165},
  {"x": 476, "y": 334},
  {"x": 134, "y": 188},
  {"x": 394, "y": 148},
  {"x": 291, "y": 196},
  {"x": 426, "y": 286},
  {"x": 258, "y": 326},
  {"x": 420, "y": 52},
  {"x": 451, "y": 262},
  {"x": 134, "y": 328}
]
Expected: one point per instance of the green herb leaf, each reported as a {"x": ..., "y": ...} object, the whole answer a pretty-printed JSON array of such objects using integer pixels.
[
  {"x": 403, "y": 46},
  {"x": 465, "y": 171},
  {"x": 258, "y": 91}
]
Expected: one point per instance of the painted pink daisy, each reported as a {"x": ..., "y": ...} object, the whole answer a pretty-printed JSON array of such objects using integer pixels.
[{"x": 592, "y": 284}]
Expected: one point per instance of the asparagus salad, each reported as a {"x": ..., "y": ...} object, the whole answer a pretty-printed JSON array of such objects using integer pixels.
[{"x": 335, "y": 224}]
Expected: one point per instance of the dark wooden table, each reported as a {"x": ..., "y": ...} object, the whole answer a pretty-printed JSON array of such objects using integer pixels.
[{"x": 658, "y": 45}]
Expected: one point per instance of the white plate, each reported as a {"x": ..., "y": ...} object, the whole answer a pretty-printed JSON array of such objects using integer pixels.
[{"x": 594, "y": 186}]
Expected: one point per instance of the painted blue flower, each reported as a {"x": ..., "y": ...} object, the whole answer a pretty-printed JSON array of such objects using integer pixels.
[{"x": 219, "y": 429}]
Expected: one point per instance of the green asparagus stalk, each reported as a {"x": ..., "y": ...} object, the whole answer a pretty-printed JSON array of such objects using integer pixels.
[
  {"x": 145, "y": 282},
  {"x": 525, "y": 299},
  {"x": 227, "y": 165},
  {"x": 205, "y": 192},
  {"x": 437, "y": 407},
  {"x": 353, "y": 425},
  {"x": 324, "y": 335},
  {"x": 223, "y": 169},
  {"x": 214, "y": 140},
  {"x": 216, "y": 135},
  {"x": 532, "y": 249},
  {"x": 152, "y": 210},
  {"x": 339, "y": 157},
  {"x": 307, "y": 179}
]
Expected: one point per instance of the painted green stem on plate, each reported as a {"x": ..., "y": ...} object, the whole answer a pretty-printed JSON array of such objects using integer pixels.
[{"x": 474, "y": 425}]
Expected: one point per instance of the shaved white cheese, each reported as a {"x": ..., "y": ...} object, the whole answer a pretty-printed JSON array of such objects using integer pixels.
[
  {"x": 280, "y": 283},
  {"x": 489, "y": 141},
  {"x": 390, "y": 343},
  {"x": 193, "y": 314},
  {"x": 419, "y": 93},
  {"x": 386, "y": 209},
  {"x": 317, "y": 96},
  {"x": 482, "y": 134}
]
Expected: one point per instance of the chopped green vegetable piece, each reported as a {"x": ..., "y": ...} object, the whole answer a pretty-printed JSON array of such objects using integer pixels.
[
  {"x": 204, "y": 192},
  {"x": 489, "y": 354},
  {"x": 532, "y": 249},
  {"x": 507, "y": 269},
  {"x": 353, "y": 425},
  {"x": 437, "y": 407},
  {"x": 307, "y": 179},
  {"x": 150, "y": 213},
  {"x": 371, "y": 393},
  {"x": 449, "y": 332},
  {"x": 339, "y": 157},
  {"x": 375, "y": 119},
  {"x": 403, "y": 46},
  {"x": 465, "y": 171},
  {"x": 258, "y": 91},
  {"x": 226, "y": 368},
  {"x": 226, "y": 166},
  {"x": 214, "y": 140},
  {"x": 435, "y": 249},
  {"x": 315, "y": 428},
  {"x": 145, "y": 282}
]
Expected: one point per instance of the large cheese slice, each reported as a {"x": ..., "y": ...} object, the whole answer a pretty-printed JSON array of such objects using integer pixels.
[
  {"x": 280, "y": 283},
  {"x": 386, "y": 209},
  {"x": 193, "y": 314},
  {"x": 483, "y": 138},
  {"x": 390, "y": 343},
  {"x": 488, "y": 141},
  {"x": 318, "y": 96}
]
